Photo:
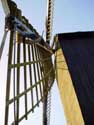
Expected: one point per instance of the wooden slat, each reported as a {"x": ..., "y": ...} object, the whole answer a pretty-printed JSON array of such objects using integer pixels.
[
  {"x": 39, "y": 77},
  {"x": 35, "y": 78},
  {"x": 14, "y": 79},
  {"x": 67, "y": 92},
  {"x": 18, "y": 79},
  {"x": 30, "y": 73},
  {"x": 8, "y": 77},
  {"x": 3, "y": 43},
  {"x": 38, "y": 73},
  {"x": 30, "y": 110},
  {"x": 41, "y": 70},
  {"x": 25, "y": 75},
  {"x": 27, "y": 63}
]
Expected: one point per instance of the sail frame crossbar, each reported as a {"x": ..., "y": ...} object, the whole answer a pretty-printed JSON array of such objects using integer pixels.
[
  {"x": 27, "y": 63},
  {"x": 23, "y": 93}
]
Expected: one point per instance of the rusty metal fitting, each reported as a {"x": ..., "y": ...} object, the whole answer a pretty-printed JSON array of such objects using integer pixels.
[{"x": 19, "y": 37}]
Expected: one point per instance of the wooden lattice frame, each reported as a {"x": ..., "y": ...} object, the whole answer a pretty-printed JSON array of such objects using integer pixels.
[{"x": 39, "y": 58}]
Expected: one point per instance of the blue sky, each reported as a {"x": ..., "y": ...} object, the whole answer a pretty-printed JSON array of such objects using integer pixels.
[{"x": 69, "y": 16}]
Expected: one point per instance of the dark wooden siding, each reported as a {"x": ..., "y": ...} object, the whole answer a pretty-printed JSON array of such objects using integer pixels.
[{"x": 78, "y": 49}]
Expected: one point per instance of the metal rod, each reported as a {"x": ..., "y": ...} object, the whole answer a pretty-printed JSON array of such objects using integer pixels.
[
  {"x": 45, "y": 104},
  {"x": 45, "y": 111},
  {"x": 25, "y": 76},
  {"x": 30, "y": 73},
  {"x": 8, "y": 77}
]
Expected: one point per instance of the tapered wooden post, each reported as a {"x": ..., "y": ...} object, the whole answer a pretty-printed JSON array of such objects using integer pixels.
[{"x": 8, "y": 77}]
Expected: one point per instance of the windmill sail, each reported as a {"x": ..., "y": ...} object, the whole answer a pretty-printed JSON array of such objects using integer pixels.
[
  {"x": 30, "y": 69},
  {"x": 78, "y": 51}
]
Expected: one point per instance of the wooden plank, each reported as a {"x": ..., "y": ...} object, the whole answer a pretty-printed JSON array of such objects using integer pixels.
[
  {"x": 67, "y": 92},
  {"x": 18, "y": 79},
  {"x": 41, "y": 70},
  {"x": 38, "y": 73},
  {"x": 30, "y": 73},
  {"x": 8, "y": 77},
  {"x": 28, "y": 63},
  {"x": 25, "y": 75},
  {"x": 35, "y": 78}
]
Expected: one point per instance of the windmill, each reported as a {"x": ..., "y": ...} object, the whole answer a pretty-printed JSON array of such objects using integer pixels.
[
  {"x": 73, "y": 68},
  {"x": 27, "y": 51}
]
